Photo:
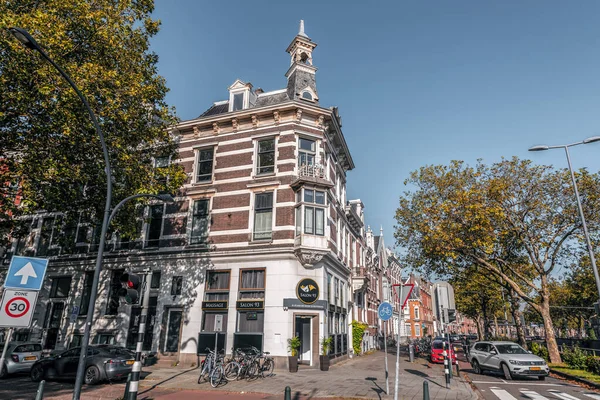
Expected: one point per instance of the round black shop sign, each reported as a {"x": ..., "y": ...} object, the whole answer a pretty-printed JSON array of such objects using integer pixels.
[{"x": 307, "y": 291}]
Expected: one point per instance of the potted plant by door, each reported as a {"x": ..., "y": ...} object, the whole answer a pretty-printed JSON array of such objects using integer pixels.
[
  {"x": 324, "y": 357},
  {"x": 294, "y": 345}
]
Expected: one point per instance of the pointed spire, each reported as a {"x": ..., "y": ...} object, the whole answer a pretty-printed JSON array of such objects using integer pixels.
[
  {"x": 381, "y": 230},
  {"x": 301, "y": 31}
]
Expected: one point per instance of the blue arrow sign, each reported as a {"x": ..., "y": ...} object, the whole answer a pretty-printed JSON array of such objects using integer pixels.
[
  {"x": 26, "y": 273},
  {"x": 385, "y": 311}
]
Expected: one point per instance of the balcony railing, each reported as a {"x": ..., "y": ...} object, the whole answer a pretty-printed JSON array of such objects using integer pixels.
[{"x": 312, "y": 171}]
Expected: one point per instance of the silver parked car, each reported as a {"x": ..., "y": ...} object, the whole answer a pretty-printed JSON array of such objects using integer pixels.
[
  {"x": 507, "y": 357},
  {"x": 20, "y": 356}
]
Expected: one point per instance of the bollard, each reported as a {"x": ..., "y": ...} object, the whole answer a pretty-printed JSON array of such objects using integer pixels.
[
  {"x": 457, "y": 369},
  {"x": 447, "y": 370},
  {"x": 288, "y": 393},
  {"x": 126, "y": 394},
  {"x": 40, "y": 391},
  {"x": 425, "y": 390},
  {"x": 411, "y": 352}
]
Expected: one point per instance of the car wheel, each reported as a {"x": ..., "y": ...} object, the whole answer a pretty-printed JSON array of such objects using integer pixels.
[
  {"x": 476, "y": 368},
  {"x": 506, "y": 372},
  {"x": 4, "y": 372},
  {"x": 37, "y": 373},
  {"x": 92, "y": 375},
  {"x": 542, "y": 378}
]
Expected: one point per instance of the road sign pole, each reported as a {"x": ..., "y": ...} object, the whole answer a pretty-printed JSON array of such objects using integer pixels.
[
  {"x": 397, "y": 377},
  {"x": 137, "y": 365},
  {"x": 387, "y": 376},
  {"x": 6, "y": 340}
]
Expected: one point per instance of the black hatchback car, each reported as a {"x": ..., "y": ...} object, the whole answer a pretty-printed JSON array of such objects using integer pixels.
[{"x": 103, "y": 362}]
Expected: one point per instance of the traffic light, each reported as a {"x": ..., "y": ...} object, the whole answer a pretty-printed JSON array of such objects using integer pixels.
[
  {"x": 451, "y": 315},
  {"x": 131, "y": 285}
]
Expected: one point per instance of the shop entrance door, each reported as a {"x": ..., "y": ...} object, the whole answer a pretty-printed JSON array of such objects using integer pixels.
[{"x": 303, "y": 331}]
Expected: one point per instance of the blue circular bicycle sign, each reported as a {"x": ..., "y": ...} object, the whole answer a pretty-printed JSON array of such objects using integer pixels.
[{"x": 385, "y": 311}]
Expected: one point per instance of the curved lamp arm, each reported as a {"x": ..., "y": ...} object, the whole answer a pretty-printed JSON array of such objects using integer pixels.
[{"x": 165, "y": 198}]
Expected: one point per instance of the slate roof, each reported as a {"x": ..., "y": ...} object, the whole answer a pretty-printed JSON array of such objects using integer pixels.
[
  {"x": 376, "y": 241},
  {"x": 261, "y": 101},
  {"x": 271, "y": 99},
  {"x": 216, "y": 109}
]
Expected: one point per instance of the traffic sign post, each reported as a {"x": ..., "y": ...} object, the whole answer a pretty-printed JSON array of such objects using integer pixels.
[
  {"x": 385, "y": 311},
  {"x": 23, "y": 281},
  {"x": 16, "y": 309},
  {"x": 26, "y": 273}
]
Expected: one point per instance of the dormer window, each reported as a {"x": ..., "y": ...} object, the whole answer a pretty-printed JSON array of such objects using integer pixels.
[
  {"x": 241, "y": 96},
  {"x": 306, "y": 95},
  {"x": 238, "y": 102}
]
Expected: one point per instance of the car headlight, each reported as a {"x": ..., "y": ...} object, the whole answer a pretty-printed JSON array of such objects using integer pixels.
[{"x": 516, "y": 362}]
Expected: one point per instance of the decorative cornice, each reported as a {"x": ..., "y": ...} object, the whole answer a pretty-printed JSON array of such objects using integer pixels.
[
  {"x": 235, "y": 124},
  {"x": 216, "y": 128},
  {"x": 255, "y": 121}
]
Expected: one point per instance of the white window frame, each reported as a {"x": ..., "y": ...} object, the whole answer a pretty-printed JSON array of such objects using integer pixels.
[
  {"x": 253, "y": 220},
  {"x": 417, "y": 330},
  {"x": 314, "y": 153},
  {"x": 191, "y": 219},
  {"x": 196, "y": 171},
  {"x": 147, "y": 221},
  {"x": 257, "y": 141},
  {"x": 303, "y": 205},
  {"x": 416, "y": 312},
  {"x": 245, "y": 98}
]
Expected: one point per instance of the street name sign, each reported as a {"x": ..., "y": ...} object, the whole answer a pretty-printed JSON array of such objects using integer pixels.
[
  {"x": 385, "y": 311},
  {"x": 16, "y": 308},
  {"x": 26, "y": 273}
]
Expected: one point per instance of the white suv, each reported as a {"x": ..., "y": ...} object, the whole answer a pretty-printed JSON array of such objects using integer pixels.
[{"x": 507, "y": 357}]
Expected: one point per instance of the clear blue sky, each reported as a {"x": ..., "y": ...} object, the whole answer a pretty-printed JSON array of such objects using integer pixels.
[{"x": 416, "y": 83}]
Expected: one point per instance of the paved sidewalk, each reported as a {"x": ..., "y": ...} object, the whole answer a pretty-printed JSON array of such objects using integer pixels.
[{"x": 362, "y": 377}]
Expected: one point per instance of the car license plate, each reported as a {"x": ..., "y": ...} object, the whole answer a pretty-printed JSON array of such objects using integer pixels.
[
  {"x": 130, "y": 362},
  {"x": 535, "y": 368},
  {"x": 30, "y": 358}
]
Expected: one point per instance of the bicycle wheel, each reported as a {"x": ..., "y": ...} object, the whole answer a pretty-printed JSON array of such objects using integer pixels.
[
  {"x": 203, "y": 375},
  {"x": 253, "y": 370},
  {"x": 216, "y": 375},
  {"x": 232, "y": 370},
  {"x": 267, "y": 368}
]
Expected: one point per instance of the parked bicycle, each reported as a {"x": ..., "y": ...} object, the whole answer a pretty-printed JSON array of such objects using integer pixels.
[
  {"x": 249, "y": 364},
  {"x": 212, "y": 369}
]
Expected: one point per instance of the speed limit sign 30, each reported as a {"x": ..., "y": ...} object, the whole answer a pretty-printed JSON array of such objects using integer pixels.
[{"x": 17, "y": 306}]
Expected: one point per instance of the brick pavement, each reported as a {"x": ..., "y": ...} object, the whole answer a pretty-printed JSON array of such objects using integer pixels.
[
  {"x": 362, "y": 377},
  {"x": 359, "y": 378}
]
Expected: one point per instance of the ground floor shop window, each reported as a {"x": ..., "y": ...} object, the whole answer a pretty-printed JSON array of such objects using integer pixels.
[
  {"x": 214, "y": 322},
  {"x": 251, "y": 321}
]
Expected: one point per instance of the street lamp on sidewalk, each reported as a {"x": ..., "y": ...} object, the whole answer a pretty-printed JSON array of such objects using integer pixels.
[
  {"x": 28, "y": 41},
  {"x": 583, "y": 224}
]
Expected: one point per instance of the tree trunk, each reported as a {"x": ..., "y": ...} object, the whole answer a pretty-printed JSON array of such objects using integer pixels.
[
  {"x": 496, "y": 331},
  {"x": 549, "y": 330},
  {"x": 516, "y": 314},
  {"x": 480, "y": 334}
]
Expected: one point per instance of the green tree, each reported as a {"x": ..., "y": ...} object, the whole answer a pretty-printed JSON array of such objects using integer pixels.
[
  {"x": 515, "y": 220},
  {"x": 46, "y": 137},
  {"x": 477, "y": 298}
]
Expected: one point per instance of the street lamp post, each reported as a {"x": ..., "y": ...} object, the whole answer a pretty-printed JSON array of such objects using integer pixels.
[
  {"x": 28, "y": 41},
  {"x": 583, "y": 224}
]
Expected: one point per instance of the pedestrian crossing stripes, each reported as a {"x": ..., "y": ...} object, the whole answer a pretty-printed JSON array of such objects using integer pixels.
[{"x": 552, "y": 394}]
